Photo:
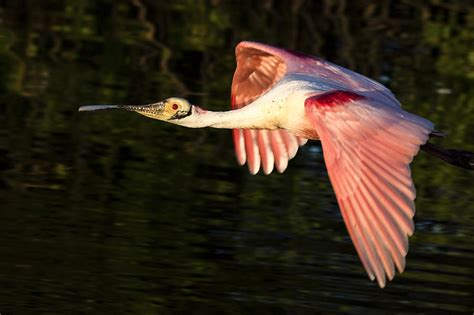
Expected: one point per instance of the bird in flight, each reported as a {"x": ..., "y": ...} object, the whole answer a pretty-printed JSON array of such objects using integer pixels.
[{"x": 281, "y": 98}]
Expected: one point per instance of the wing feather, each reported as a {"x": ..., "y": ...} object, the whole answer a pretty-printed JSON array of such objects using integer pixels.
[
  {"x": 251, "y": 147},
  {"x": 257, "y": 72},
  {"x": 281, "y": 155},
  {"x": 291, "y": 143},
  {"x": 368, "y": 147},
  {"x": 382, "y": 243},
  {"x": 239, "y": 145},
  {"x": 266, "y": 153}
]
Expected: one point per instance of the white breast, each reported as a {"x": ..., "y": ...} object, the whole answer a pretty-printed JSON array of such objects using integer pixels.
[{"x": 283, "y": 105}]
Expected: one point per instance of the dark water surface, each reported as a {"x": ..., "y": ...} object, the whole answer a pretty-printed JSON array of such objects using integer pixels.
[{"x": 114, "y": 213}]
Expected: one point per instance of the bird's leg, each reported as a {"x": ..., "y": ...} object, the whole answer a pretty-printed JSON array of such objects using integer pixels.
[{"x": 460, "y": 158}]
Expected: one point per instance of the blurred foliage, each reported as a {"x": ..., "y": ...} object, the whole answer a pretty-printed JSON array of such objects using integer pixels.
[{"x": 117, "y": 212}]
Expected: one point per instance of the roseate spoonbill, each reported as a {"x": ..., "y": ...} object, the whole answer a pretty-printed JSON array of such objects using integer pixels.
[{"x": 281, "y": 98}]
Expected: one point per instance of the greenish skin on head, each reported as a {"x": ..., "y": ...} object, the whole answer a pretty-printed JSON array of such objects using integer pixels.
[{"x": 170, "y": 109}]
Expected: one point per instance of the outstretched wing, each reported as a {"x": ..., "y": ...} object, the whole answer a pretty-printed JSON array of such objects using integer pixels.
[
  {"x": 258, "y": 70},
  {"x": 368, "y": 147}
]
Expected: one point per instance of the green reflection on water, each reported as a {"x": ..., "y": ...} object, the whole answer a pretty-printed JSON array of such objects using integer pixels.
[{"x": 114, "y": 212}]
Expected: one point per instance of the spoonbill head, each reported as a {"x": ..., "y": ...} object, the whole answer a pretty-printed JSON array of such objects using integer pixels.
[{"x": 171, "y": 110}]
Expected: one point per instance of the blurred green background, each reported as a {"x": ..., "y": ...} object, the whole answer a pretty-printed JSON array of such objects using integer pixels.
[{"x": 112, "y": 212}]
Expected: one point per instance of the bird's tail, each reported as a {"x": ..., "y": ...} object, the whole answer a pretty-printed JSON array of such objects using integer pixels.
[{"x": 460, "y": 158}]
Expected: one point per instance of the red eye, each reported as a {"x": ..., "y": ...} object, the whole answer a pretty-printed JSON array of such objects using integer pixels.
[{"x": 175, "y": 106}]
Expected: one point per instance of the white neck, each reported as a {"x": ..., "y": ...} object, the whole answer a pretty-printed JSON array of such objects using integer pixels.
[{"x": 248, "y": 117}]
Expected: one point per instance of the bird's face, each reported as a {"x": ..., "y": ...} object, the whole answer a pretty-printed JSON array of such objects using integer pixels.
[{"x": 171, "y": 110}]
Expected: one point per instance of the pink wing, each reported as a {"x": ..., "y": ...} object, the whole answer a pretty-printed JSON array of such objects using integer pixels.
[
  {"x": 367, "y": 148},
  {"x": 257, "y": 71}
]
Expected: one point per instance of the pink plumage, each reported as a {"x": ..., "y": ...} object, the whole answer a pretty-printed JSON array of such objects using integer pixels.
[
  {"x": 257, "y": 71},
  {"x": 368, "y": 143},
  {"x": 370, "y": 176},
  {"x": 282, "y": 98}
]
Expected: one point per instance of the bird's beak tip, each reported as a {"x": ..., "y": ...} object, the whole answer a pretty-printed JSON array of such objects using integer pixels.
[{"x": 88, "y": 108}]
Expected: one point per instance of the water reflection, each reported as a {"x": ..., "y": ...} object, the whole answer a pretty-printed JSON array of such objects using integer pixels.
[{"x": 117, "y": 213}]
